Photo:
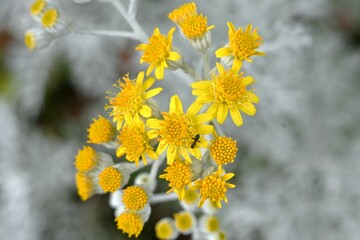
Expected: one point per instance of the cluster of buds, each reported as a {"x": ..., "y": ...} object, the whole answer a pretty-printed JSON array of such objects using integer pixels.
[
  {"x": 51, "y": 22},
  {"x": 192, "y": 142}
]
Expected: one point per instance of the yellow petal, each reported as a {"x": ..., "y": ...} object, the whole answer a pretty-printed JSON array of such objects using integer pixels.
[
  {"x": 145, "y": 111},
  {"x": 148, "y": 83},
  {"x": 223, "y": 52},
  {"x": 140, "y": 78},
  {"x": 176, "y": 105},
  {"x": 204, "y": 117},
  {"x": 149, "y": 70},
  {"x": 159, "y": 72},
  {"x": 222, "y": 114},
  {"x": 161, "y": 147},
  {"x": 154, "y": 123},
  {"x": 248, "y": 108},
  {"x": 236, "y": 117},
  {"x": 231, "y": 27},
  {"x": 120, "y": 151},
  {"x": 152, "y": 92},
  {"x": 237, "y": 64},
  {"x": 174, "y": 56},
  {"x": 194, "y": 108},
  {"x": 248, "y": 80},
  {"x": 205, "y": 129}
]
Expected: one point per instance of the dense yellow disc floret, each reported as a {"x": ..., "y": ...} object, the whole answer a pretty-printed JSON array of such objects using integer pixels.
[
  {"x": 181, "y": 13},
  {"x": 164, "y": 229},
  {"x": 214, "y": 187},
  {"x": 84, "y": 186},
  {"x": 37, "y": 7},
  {"x": 110, "y": 179},
  {"x": 130, "y": 222},
  {"x": 50, "y": 18},
  {"x": 30, "y": 40},
  {"x": 86, "y": 159},
  {"x": 135, "y": 198},
  {"x": 212, "y": 224},
  {"x": 101, "y": 131},
  {"x": 191, "y": 196},
  {"x": 178, "y": 175},
  {"x": 184, "y": 221},
  {"x": 195, "y": 27},
  {"x": 223, "y": 150}
]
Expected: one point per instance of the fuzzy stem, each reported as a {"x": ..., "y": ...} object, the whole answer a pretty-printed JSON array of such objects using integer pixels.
[
  {"x": 109, "y": 33},
  {"x": 206, "y": 63},
  {"x": 163, "y": 197}
]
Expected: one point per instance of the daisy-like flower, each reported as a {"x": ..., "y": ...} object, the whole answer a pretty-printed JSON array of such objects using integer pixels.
[
  {"x": 209, "y": 224},
  {"x": 101, "y": 131},
  {"x": 223, "y": 149},
  {"x": 179, "y": 175},
  {"x": 136, "y": 197},
  {"x": 53, "y": 21},
  {"x": 133, "y": 98},
  {"x": 178, "y": 131},
  {"x": 37, "y": 38},
  {"x": 135, "y": 141},
  {"x": 165, "y": 229},
  {"x": 226, "y": 92},
  {"x": 88, "y": 160},
  {"x": 159, "y": 53},
  {"x": 190, "y": 200},
  {"x": 86, "y": 185},
  {"x": 241, "y": 46},
  {"x": 114, "y": 177},
  {"x": 197, "y": 32},
  {"x": 130, "y": 222},
  {"x": 185, "y": 221},
  {"x": 37, "y": 9},
  {"x": 181, "y": 13},
  {"x": 214, "y": 187}
]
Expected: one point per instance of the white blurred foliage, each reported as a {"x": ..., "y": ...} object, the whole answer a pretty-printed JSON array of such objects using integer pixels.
[{"x": 299, "y": 155}]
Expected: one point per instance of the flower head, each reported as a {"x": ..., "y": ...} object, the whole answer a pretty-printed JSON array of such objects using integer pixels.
[
  {"x": 130, "y": 222},
  {"x": 184, "y": 221},
  {"x": 132, "y": 98},
  {"x": 165, "y": 229},
  {"x": 178, "y": 130},
  {"x": 101, "y": 131},
  {"x": 242, "y": 45},
  {"x": 53, "y": 21},
  {"x": 179, "y": 175},
  {"x": 135, "y": 141},
  {"x": 158, "y": 53},
  {"x": 38, "y": 7},
  {"x": 86, "y": 185},
  {"x": 86, "y": 159},
  {"x": 135, "y": 198},
  {"x": 112, "y": 178},
  {"x": 181, "y": 13},
  {"x": 37, "y": 38},
  {"x": 210, "y": 224},
  {"x": 223, "y": 150},
  {"x": 227, "y": 92},
  {"x": 214, "y": 187}
]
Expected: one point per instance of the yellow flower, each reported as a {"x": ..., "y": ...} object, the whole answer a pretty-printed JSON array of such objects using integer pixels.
[
  {"x": 132, "y": 98},
  {"x": 184, "y": 221},
  {"x": 130, "y": 222},
  {"x": 50, "y": 18},
  {"x": 179, "y": 175},
  {"x": 195, "y": 26},
  {"x": 101, "y": 131},
  {"x": 179, "y": 132},
  {"x": 242, "y": 45},
  {"x": 37, "y": 38},
  {"x": 84, "y": 185},
  {"x": 110, "y": 179},
  {"x": 165, "y": 229},
  {"x": 181, "y": 13},
  {"x": 227, "y": 92},
  {"x": 159, "y": 54},
  {"x": 135, "y": 141},
  {"x": 86, "y": 159},
  {"x": 223, "y": 150},
  {"x": 214, "y": 187},
  {"x": 209, "y": 224},
  {"x": 37, "y": 7},
  {"x": 135, "y": 197}
]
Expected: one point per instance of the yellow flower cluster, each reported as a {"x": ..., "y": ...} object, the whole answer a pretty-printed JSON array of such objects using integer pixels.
[{"x": 142, "y": 134}]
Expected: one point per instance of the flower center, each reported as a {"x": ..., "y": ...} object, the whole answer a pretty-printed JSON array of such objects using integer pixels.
[
  {"x": 84, "y": 186},
  {"x": 243, "y": 44},
  {"x": 110, "y": 179},
  {"x": 183, "y": 221},
  {"x": 49, "y": 18},
  {"x": 101, "y": 131},
  {"x": 134, "y": 198},
  {"x": 213, "y": 187},
  {"x": 228, "y": 88},
  {"x": 181, "y": 13},
  {"x": 134, "y": 142},
  {"x": 37, "y": 7},
  {"x": 130, "y": 223},
  {"x": 164, "y": 230},
  {"x": 157, "y": 50},
  {"x": 86, "y": 159},
  {"x": 190, "y": 196},
  {"x": 212, "y": 224},
  {"x": 30, "y": 40},
  {"x": 177, "y": 129},
  {"x": 223, "y": 150},
  {"x": 194, "y": 27},
  {"x": 178, "y": 175},
  {"x": 128, "y": 100}
]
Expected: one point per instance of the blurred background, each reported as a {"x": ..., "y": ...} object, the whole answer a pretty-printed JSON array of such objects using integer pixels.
[{"x": 298, "y": 166}]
